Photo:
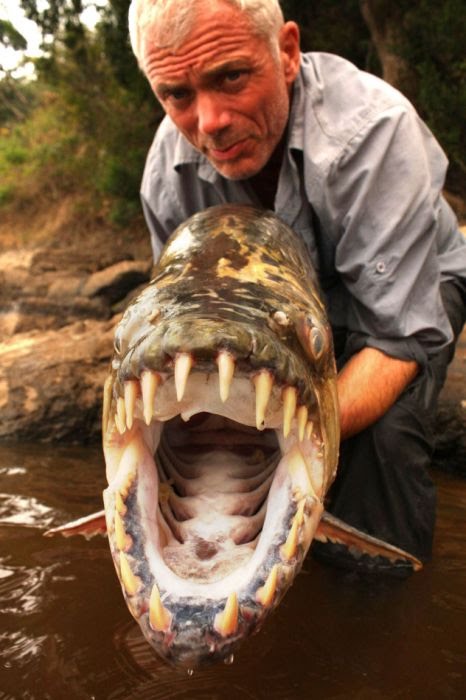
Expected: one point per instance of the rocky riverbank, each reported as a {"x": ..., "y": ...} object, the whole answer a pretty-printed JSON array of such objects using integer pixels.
[
  {"x": 59, "y": 302},
  {"x": 60, "y": 299}
]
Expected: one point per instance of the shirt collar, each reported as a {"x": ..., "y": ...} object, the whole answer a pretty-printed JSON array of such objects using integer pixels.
[{"x": 295, "y": 137}]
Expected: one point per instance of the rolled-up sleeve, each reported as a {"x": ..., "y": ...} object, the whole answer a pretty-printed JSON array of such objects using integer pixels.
[{"x": 383, "y": 199}]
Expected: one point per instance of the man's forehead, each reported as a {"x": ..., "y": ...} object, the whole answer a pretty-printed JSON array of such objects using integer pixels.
[
  {"x": 207, "y": 59},
  {"x": 214, "y": 39}
]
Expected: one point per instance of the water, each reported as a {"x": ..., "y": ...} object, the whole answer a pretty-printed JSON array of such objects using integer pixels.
[{"x": 65, "y": 632}]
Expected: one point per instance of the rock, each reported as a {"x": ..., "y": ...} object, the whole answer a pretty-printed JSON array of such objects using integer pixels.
[
  {"x": 114, "y": 282},
  {"x": 56, "y": 326},
  {"x": 51, "y": 382},
  {"x": 37, "y": 293}
]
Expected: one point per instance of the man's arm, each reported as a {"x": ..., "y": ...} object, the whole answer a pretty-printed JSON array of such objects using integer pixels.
[{"x": 368, "y": 385}]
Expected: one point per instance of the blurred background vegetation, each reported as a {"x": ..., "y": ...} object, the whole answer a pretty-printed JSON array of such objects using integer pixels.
[{"x": 83, "y": 125}]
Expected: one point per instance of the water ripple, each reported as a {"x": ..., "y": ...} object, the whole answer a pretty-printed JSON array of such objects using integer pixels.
[{"x": 26, "y": 511}]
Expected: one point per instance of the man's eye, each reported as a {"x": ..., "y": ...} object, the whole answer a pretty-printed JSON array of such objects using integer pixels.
[
  {"x": 233, "y": 75},
  {"x": 174, "y": 95},
  {"x": 178, "y": 94},
  {"x": 233, "y": 80}
]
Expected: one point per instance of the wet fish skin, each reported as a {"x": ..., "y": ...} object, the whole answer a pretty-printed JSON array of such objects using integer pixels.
[{"x": 220, "y": 434}]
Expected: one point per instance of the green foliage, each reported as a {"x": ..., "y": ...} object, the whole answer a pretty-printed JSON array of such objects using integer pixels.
[
  {"x": 430, "y": 37},
  {"x": 335, "y": 27},
  {"x": 9, "y": 36},
  {"x": 433, "y": 41},
  {"x": 87, "y": 135},
  {"x": 6, "y": 194},
  {"x": 16, "y": 99},
  {"x": 95, "y": 116}
]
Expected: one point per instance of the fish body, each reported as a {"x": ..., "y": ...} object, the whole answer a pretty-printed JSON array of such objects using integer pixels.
[{"x": 220, "y": 432}]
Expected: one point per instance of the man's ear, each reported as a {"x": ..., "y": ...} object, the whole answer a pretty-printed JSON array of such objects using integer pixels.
[{"x": 289, "y": 50}]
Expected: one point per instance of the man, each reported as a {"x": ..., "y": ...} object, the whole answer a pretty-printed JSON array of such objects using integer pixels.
[{"x": 344, "y": 159}]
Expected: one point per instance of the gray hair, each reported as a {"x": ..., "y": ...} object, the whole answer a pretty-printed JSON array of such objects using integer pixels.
[{"x": 169, "y": 21}]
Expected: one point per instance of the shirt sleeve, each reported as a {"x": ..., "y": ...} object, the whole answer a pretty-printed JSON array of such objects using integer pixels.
[{"x": 383, "y": 199}]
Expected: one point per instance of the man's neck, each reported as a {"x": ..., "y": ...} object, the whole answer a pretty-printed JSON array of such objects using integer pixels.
[{"x": 265, "y": 182}]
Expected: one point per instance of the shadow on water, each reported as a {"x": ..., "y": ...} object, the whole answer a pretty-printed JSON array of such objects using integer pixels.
[{"x": 65, "y": 632}]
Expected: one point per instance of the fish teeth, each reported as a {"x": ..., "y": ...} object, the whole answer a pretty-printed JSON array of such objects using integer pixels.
[
  {"x": 263, "y": 382},
  {"x": 120, "y": 417},
  {"x": 226, "y": 622},
  {"x": 288, "y": 550},
  {"x": 122, "y": 539},
  {"x": 159, "y": 617},
  {"x": 183, "y": 365},
  {"x": 302, "y": 414},
  {"x": 265, "y": 594},
  {"x": 149, "y": 384},
  {"x": 120, "y": 504},
  {"x": 130, "y": 581},
  {"x": 226, "y": 369},
  {"x": 309, "y": 429},
  {"x": 131, "y": 390},
  {"x": 289, "y": 397}
]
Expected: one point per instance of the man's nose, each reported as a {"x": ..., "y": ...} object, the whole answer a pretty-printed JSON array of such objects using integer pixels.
[{"x": 212, "y": 116}]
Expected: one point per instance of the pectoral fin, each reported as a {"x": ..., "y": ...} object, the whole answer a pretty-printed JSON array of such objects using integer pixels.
[
  {"x": 88, "y": 527},
  {"x": 333, "y": 530}
]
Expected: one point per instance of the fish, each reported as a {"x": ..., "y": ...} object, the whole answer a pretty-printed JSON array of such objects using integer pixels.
[{"x": 220, "y": 435}]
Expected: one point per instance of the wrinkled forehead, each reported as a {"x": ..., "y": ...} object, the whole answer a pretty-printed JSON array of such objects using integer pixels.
[
  {"x": 205, "y": 48},
  {"x": 218, "y": 34},
  {"x": 171, "y": 27}
]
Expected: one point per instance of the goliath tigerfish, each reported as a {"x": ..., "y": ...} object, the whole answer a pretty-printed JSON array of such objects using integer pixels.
[{"x": 220, "y": 433}]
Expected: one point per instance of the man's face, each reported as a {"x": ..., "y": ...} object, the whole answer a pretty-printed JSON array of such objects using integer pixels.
[{"x": 225, "y": 90}]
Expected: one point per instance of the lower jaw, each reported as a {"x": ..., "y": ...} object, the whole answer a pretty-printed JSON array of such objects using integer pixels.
[{"x": 185, "y": 627}]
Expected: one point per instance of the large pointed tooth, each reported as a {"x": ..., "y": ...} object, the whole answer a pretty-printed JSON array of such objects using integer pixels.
[
  {"x": 302, "y": 420},
  {"x": 149, "y": 383},
  {"x": 107, "y": 402},
  {"x": 299, "y": 472},
  {"x": 131, "y": 392},
  {"x": 265, "y": 594},
  {"x": 183, "y": 365},
  {"x": 300, "y": 512},
  {"x": 289, "y": 397},
  {"x": 226, "y": 369},
  {"x": 263, "y": 381},
  {"x": 159, "y": 617},
  {"x": 309, "y": 429},
  {"x": 119, "y": 503},
  {"x": 226, "y": 622},
  {"x": 120, "y": 418},
  {"x": 288, "y": 550},
  {"x": 130, "y": 581},
  {"x": 122, "y": 539}
]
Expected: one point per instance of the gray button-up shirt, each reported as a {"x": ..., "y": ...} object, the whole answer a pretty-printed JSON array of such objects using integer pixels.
[{"x": 361, "y": 182}]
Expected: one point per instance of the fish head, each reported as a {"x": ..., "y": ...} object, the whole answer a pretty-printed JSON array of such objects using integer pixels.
[{"x": 220, "y": 432}]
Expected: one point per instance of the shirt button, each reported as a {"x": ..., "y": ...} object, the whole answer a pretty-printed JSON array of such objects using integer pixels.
[{"x": 380, "y": 267}]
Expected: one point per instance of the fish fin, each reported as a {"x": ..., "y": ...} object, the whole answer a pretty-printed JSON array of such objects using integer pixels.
[
  {"x": 88, "y": 526},
  {"x": 334, "y": 530}
]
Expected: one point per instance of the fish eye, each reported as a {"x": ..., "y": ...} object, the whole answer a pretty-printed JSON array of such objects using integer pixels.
[{"x": 317, "y": 342}]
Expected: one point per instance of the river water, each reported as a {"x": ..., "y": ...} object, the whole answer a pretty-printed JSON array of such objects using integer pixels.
[{"x": 65, "y": 632}]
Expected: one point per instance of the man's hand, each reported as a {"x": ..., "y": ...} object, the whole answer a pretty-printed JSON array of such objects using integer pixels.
[{"x": 368, "y": 385}]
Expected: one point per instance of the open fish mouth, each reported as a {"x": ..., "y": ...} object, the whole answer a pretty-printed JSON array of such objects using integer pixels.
[{"x": 220, "y": 433}]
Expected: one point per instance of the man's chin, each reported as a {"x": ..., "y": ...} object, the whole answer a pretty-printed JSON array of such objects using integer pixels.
[{"x": 236, "y": 170}]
